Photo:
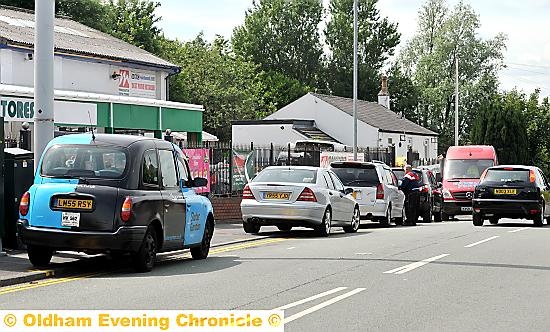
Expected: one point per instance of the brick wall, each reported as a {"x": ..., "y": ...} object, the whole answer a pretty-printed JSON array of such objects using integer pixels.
[{"x": 227, "y": 208}]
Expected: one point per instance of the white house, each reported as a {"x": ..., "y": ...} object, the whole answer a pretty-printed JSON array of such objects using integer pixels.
[{"x": 322, "y": 117}]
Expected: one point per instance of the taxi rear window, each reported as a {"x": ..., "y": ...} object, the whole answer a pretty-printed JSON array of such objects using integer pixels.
[
  {"x": 507, "y": 176},
  {"x": 73, "y": 161}
]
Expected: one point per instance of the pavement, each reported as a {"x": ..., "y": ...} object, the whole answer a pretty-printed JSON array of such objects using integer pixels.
[
  {"x": 448, "y": 276},
  {"x": 15, "y": 267}
]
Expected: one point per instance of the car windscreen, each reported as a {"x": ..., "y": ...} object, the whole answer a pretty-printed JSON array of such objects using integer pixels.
[
  {"x": 84, "y": 161},
  {"x": 507, "y": 176},
  {"x": 287, "y": 175},
  {"x": 466, "y": 168},
  {"x": 358, "y": 176}
]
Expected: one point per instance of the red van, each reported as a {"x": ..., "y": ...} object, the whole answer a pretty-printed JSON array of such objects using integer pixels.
[{"x": 462, "y": 169}]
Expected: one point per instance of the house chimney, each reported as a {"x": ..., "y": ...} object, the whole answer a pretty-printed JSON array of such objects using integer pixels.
[{"x": 383, "y": 95}]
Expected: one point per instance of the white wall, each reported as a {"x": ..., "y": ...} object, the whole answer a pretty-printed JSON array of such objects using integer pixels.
[
  {"x": 265, "y": 134},
  {"x": 329, "y": 119},
  {"x": 70, "y": 74},
  {"x": 417, "y": 142}
]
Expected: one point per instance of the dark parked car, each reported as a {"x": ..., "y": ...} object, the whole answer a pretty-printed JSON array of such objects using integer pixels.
[
  {"x": 511, "y": 192},
  {"x": 430, "y": 196},
  {"x": 114, "y": 194}
]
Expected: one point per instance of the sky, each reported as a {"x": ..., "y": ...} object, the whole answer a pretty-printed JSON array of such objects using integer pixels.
[{"x": 525, "y": 22}]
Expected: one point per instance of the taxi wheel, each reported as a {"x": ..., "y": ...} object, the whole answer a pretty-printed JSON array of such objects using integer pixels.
[
  {"x": 355, "y": 222},
  {"x": 144, "y": 259},
  {"x": 39, "y": 255},
  {"x": 201, "y": 252},
  {"x": 326, "y": 224},
  {"x": 494, "y": 220}
]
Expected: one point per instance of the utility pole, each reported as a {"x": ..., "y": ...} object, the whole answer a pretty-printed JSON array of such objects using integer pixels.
[
  {"x": 456, "y": 100},
  {"x": 355, "y": 69},
  {"x": 43, "y": 76}
]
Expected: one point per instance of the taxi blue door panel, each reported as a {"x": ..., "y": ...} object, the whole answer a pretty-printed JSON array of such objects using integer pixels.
[{"x": 196, "y": 215}]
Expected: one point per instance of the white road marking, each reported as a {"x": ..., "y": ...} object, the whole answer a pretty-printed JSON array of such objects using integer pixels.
[
  {"x": 323, "y": 304},
  {"x": 363, "y": 253},
  {"x": 311, "y": 298},
  {"x": 519, "y": 230},
  {"x": 482, "y": 241},
  {"x": 415, "y": 265},
  {"x": 291, "y": 248}
]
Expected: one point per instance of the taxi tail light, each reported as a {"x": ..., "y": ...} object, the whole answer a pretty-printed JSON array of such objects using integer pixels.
[
  {"x": 532, "y": 176},
  {"x": 307, "y": 195},
  {"x": 533, "y": 212},
  {"x": 379, "y": 191},
  {"x": 247, "y": 193},
  {"x": 126, "y": 210},
  {"x": 24, "y": 204}
]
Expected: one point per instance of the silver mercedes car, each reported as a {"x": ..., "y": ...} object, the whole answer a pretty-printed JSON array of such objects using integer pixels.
[{"x": 294, "y": 196}]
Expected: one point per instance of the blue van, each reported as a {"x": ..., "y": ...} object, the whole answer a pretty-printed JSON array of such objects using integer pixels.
[{"x": 114, "y": 194}]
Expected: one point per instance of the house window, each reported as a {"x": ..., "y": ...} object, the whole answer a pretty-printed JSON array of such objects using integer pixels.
[{"x": 390, "y": 141}]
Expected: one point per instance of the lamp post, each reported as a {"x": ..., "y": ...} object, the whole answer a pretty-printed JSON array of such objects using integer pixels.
[
  {"x": 456, "y": 100},
  {"x": 355, "y": 65},
  {"x": 43, "y": 76}
]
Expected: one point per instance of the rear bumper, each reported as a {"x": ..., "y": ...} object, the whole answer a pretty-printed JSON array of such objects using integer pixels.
[
  {"x": 455, "y": 208},
  {"x": 124, "y": 239},
  {"x": 504, "y": 208},
  {"x": 303, "y": 214},
  {"x": 377, "y": 210}
]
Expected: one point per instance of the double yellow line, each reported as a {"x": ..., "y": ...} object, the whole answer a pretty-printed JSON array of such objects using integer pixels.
[{"x": 49, "y": 282}]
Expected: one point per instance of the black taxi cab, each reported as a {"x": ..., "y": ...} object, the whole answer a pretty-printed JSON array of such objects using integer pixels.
[
  {"x": 518, "y": 192},
  {"x": 114, "y": 194}
]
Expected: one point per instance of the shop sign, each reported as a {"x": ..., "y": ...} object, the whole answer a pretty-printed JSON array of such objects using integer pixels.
[
  {"x": 134, "y": 83},
  {"x": 65, "y": 112}
]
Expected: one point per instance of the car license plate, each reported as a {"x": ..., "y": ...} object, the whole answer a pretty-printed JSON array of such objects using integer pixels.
[
  {"x": 70, "y": 219},
  {"x": 278, "y": 196},
  {"x": 506, "y": 191},
  {"x": 74, "y": 204},
  {"x": 466, "y": 209}
]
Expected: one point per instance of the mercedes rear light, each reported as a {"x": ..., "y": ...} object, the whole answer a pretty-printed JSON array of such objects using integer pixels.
[
  {"x": 307, "y": 195},
  {"x": 247, "y": 193},
  {"x": 380, "y": 191},
  {"x": 126, "y": 210},
  {"x": 24, "y": 204}
]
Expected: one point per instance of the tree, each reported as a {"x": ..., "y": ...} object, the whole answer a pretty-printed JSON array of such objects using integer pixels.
[
  {"x": 377, "y": 41},
  {"x": 502, "y": 124},
  {"x": 404, "y": 94},
  {"x": 429, "y": 58},
  {"x": 229, "y": 87},
  {"x": 134, "y": 21},
  {"x": 283, "y": 36}
]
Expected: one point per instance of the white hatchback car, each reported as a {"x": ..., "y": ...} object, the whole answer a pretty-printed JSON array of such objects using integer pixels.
[
  {"x": 288, "y": 196},
  {"x": 375, "y": 188}
]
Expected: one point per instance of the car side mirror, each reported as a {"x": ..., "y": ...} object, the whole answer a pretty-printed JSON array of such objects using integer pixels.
[
  {"x": 348, "y": 191},
  {"x": 200, "y": 182}
]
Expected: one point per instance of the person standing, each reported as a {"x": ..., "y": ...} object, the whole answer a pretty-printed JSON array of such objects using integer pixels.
[{"x": 410, "y": 185}]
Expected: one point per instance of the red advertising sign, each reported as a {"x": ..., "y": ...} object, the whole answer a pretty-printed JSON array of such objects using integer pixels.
[{"x": 199, "y": 164}]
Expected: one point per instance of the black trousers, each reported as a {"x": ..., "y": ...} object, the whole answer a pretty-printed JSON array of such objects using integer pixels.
[{"x": 412, "y": 202}]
